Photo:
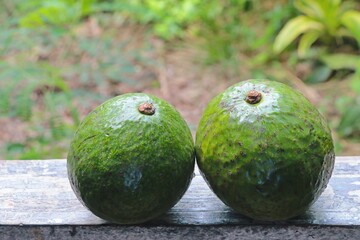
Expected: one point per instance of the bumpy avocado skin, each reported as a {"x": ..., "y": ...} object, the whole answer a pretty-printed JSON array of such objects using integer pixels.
[
  {"x": 127, "y": 167},
  {"x": 269, "y": 161}
]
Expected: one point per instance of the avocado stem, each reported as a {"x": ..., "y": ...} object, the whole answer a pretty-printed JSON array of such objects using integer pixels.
[
  {"x": 253, "y": 97},
  {"x": 146, "y": 108}
]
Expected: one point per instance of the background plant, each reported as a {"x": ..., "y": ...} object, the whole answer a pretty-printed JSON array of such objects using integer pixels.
[
  {"x": 218, "y": 24},
  {"x": 60, "y": 58},
  {"x": 324, "y": 20},
  {"x": 325, "y": 30}
]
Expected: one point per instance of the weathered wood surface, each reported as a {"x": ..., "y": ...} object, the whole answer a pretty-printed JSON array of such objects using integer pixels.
[{"x": 38, "y": 193}]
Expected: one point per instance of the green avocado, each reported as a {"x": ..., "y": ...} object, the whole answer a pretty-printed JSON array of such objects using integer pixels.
[
  {"x": 264, "y": 150},
  {"x": 131, "y": 159}
]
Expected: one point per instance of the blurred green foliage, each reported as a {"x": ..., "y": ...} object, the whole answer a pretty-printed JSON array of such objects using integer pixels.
[
  {"x": 41, "y": 58},
  {"x": 220, "y": 24},
  {"x": 325, "y": 31},
  {"x": 325, "y": 20},
  {"x": 54, "y": 12},
  {"x": 44, "y": 62}
]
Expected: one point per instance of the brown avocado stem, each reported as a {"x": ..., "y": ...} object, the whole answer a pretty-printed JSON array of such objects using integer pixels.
[
  {"x": 253, "y": 97},
  {"x": 146, "y": 108}
]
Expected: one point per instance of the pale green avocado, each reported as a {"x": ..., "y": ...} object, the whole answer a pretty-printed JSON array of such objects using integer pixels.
[
  {"x": 131, "y": 159},
  {"x": 264, "y": 150}
]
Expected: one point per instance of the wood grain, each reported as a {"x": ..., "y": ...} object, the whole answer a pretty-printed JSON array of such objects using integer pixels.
[{"x": 37, "y": 192}]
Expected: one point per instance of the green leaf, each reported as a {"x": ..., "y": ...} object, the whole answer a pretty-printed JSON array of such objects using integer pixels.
[
  {"x": 306, "y": 41},
  {"x": 342, "y": 103},
  {"x": 355, "y": 83},
  {"x": 319, "y": 74},
  {"x": 335, "y": 2},
  {"x": 355, "y": 80},
  {"x": 311, "y": 8},
  {"x": 341, "y": 61},
  {"x": 293, "y": 29},
  {"x": 325, "y": 12},
  {"x": 349, "y": 124},
  {"x": 56, "y": 12},
  {"x": 351, "y": 20}
]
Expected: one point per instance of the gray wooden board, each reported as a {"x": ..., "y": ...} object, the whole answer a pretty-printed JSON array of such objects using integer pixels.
[
  {"x": 37, "y": 192},
  {"x": 238, "y": 232}
]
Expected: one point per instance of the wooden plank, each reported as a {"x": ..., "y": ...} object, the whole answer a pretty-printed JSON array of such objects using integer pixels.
[
  {"x": 35, "y": 192},
  {"x": 110, "y": 232}
]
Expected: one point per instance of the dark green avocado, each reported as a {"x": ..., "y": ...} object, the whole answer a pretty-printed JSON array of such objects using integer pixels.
[
  {"x": 131, "y": 159},
  {"x": 264, "y": 150}
]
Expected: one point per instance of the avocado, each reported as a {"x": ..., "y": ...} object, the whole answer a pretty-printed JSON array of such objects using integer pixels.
[
  {"x": 264, "y": 150},
  {"x": 131, "y": 159}
]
